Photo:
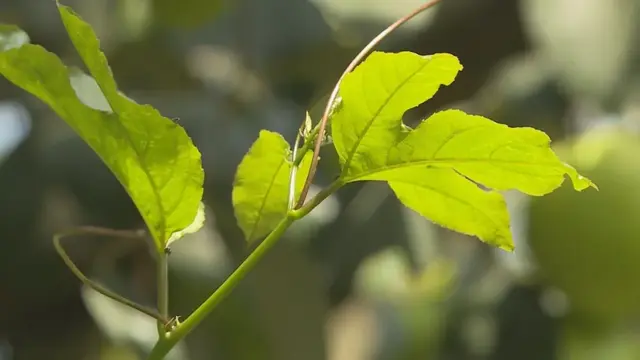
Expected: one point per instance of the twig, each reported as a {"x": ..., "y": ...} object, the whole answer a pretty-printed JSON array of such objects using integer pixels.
[
  {"x": 334, "y": 94},
  {"x": 91, "y": 230}
]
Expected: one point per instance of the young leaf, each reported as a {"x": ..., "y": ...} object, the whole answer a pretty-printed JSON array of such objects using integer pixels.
[
  {"x": 151, "y": 156},
  {"x": 375, "y": 96},
  {"x": 261, "y": 185}
]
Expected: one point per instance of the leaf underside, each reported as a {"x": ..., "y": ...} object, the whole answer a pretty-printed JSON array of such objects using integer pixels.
[
  {"x": 152, "y": 157},
  {"x": 435, "y": 169}
]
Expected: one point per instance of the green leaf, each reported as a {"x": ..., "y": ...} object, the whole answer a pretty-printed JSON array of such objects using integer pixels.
[
  {"x": 11, "y": 37},
  {"x": 437, "y": 168},
  {"x": 433, "y": 170},
  {"x": 261, "y": 186},
  {"x": 88, "y": 46},
  {"x": 373, "y": 98},
  {"x": 452, "y": 201},
  {"x": 494, "y": 155},
  {"x": 153, "y": 158}
]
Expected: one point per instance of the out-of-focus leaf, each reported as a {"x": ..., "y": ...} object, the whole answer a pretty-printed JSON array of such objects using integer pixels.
[
  {"x": 188, "y": 13},
  {"x": 125, "y": 325},
  {"x": 12, "y": 37}
]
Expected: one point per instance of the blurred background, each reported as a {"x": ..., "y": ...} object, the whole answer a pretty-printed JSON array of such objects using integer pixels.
[{"x": 362, "y": 278}]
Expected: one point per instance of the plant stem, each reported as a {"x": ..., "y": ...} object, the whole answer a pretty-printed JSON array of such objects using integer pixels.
[
  {"x": 90, "y": 230},
  {"x": 166, "y": 343},
  {"x": 334, "y": 94},
  {"x": 163, "y": 347},
  {"x": 163, "y": 290},
  {"x": 306, "y": 146}
]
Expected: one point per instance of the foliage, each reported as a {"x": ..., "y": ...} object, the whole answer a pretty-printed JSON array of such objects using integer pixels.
[
  {"x": 436, "y": 168},
  {"x": 153, "y": 157},
  {"x": 450, "y": 169},
  {"x": 261, "y": 186}
]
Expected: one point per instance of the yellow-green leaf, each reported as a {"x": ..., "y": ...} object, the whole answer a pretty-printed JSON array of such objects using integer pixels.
[
  {"x": 152, "y": 157},
  {"x": 261, "y": 187},
  {"x": 437, "y": 168},
  {"x": 494, "y": 155},
  {"x": 448, "y": 199},
  {"x": 373, "y": 98}
]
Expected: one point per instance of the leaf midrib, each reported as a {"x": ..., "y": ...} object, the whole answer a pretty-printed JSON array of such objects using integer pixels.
[
  {"x": 264, "y": 200},
  {"x": 441, "y": 161}
]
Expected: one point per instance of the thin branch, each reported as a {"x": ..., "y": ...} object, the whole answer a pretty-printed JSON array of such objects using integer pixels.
[
  {"x": 334, "y": 94},
  {"x": 91, "y": 230}
]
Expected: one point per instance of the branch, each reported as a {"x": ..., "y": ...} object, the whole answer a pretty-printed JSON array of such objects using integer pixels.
[{"x": 91, "y": 230}]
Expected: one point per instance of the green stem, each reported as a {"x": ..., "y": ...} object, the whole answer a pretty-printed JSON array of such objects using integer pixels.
[
  {"x": 307, "y": 145},
  {"x": 90, "y": 230},
  {"x": 163, "y": 290},
  {"x": 165, "y": 344}
]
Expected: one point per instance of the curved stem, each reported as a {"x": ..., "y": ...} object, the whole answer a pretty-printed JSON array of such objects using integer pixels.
[
  {"x": 90, "y": 230},
  {"x": 334, "y": 94}
]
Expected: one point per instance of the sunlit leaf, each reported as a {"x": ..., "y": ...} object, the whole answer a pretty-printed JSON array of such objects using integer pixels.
[
  {"x": 261, "y": 187},
  {"x": 492, "y": 154},
  {"x": 437, "y": 168},
  {"x": 452, "y": 201},
  {"x": 374, "y": 97},
  {"x": 153, "y": 158},
  {"x": 429, "y": 170}
]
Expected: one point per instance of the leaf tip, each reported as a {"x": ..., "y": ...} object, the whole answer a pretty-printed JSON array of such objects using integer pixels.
[
  {"x": 509, "y": 247},
  {"x": 502, "y": 240},
  {"x": 580, "y": 183}
]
